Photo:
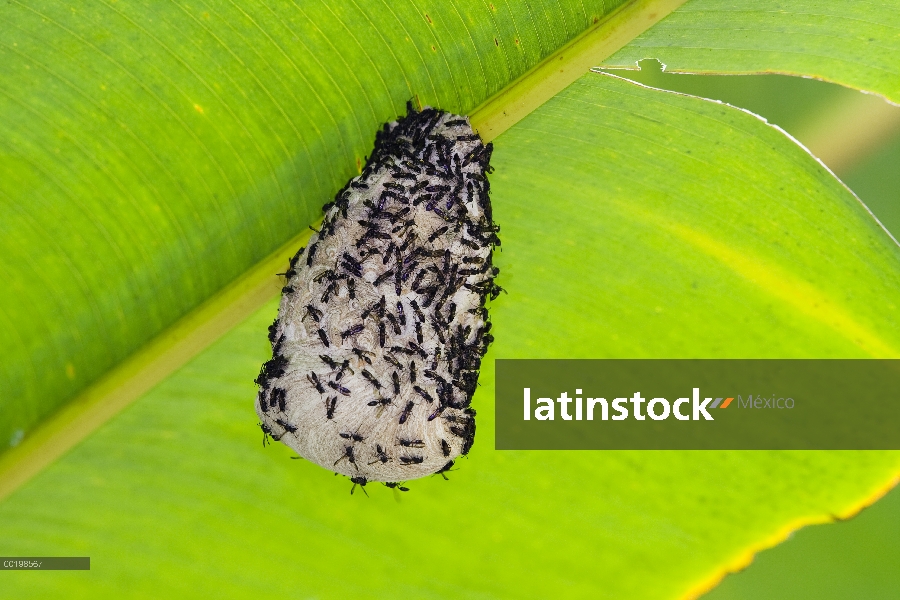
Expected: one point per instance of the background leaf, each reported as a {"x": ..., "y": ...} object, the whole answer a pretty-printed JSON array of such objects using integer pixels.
[
  {"x": 877, "y": 180},
  {"x": 858, "y": 557},
  {"x": 661, "y": 179},
  {"x": 857, "y": 135},
  {"x": 697, "y": 254},
  {"x": 848, "y": 559},
  {"x": 851, "y": 43},
  {"x": 151, "y": 153}
]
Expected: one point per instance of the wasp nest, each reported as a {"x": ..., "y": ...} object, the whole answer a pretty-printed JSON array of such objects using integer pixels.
[{"x": 382, "y": 324}]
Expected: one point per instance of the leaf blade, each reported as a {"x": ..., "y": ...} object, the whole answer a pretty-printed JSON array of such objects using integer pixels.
[{"x": 152, "y": 154}]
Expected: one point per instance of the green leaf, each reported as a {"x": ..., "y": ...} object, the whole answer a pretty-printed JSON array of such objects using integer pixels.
[
  {"x": 851, "y": 43},
  {"x": 687, "y": 234},
  {"x": 635, "y": 223},
  {"x": 151, "y": 153}
]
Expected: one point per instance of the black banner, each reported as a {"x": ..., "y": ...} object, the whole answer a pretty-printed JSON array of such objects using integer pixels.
[
  {"x": 696, "y": 404},
  {"x": 45, "y": 563}
]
